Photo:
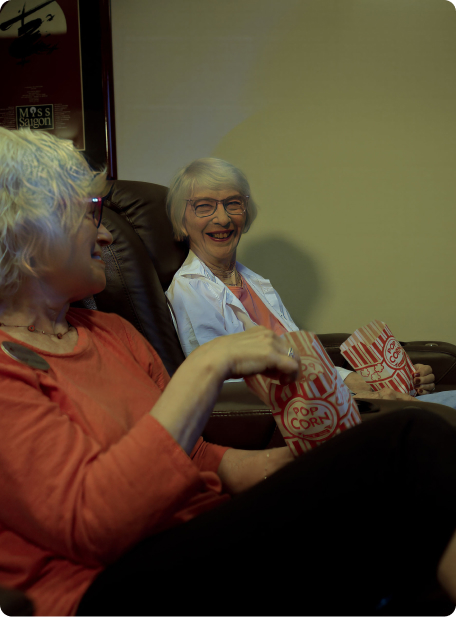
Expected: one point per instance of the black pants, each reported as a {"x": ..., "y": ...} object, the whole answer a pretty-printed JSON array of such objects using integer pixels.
[{"x": 344, "y": 529}]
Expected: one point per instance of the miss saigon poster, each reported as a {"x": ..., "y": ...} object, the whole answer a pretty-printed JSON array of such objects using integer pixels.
[{"x": 40, "y": 63}]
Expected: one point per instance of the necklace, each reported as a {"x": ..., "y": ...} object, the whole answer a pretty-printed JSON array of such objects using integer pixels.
[
  {"x": 227, "y": 274},
  {"x": 33, "y": 329},
  {"x": 224, "y": 273},
  {"x": 238, "y": 280}
]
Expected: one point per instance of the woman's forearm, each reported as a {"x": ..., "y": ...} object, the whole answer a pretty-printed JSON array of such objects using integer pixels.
[
  {"x": 356, "y": 383},
  {"x": 239, "y": 470},
  {"x": 187, "y": 402}
]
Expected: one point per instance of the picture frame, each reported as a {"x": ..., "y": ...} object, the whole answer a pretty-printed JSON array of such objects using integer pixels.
[
  {"x": 57, "y": 70},
  {"x": 98, "y": 86}
]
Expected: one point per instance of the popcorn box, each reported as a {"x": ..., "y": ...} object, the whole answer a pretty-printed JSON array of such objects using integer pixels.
[
  {"x": 313, "y": 409},
  {"x": 379, "y": 358}
]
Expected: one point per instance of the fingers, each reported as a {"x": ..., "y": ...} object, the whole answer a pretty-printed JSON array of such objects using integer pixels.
[
  {"x": 404, "y": 397},
  {"x": 424, "y": 379},
  {"x": 423, "y": 369},
  {"x": 426, "y": 388},
  {"x": 281, "y": 365},
  {"x": 425, "y": 385},
  {"x": 258, "y": 350},
  {"x": 390, "y": 394}
]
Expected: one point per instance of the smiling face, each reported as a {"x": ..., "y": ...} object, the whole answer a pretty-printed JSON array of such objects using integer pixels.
[
  {"x": 214, "y": 238},
  {"x": 77, "y": 270}
]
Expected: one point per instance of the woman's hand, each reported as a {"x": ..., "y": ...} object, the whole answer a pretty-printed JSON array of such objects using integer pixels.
[
  {"x": 258, "y": 350},
  {"x": 187, "y": 402},
  {"x": 424, "y": 379},
  {"x": 385, "y": 393}
]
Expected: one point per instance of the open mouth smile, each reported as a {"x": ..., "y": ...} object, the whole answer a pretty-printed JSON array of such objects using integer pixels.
[
  {"x": 221, "y": 235},
  {"x": 97, "y": 255}
]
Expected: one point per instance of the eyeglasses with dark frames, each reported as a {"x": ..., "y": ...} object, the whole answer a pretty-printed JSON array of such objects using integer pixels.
[
  {"x": 236, "y": 204},
  {"x": 97, "y": 204}
]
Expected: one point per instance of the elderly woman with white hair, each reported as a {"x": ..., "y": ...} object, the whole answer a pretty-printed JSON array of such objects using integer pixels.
[
  {"x": 111, "y": 502},
  {"x": 210, "y": 206}
]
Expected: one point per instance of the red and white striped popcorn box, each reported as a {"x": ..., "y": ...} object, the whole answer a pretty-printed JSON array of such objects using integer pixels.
[
  {"x": 314, "y": 408},
  {"x": 379, "y": 358}
]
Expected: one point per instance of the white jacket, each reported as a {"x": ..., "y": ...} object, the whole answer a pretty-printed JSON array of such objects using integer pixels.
[{"x": 205, "y": 308}]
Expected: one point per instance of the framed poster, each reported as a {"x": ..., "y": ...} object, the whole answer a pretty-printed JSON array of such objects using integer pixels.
[{"x": 56, "y": 63}]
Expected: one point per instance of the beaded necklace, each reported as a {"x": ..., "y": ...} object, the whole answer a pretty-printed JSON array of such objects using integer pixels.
[{"x": 32, "y": 328}]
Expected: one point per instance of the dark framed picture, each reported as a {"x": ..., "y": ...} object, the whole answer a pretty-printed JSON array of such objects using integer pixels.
[
  {"x": 56, "y": 58},
  {"x": 98, "y": 87}
]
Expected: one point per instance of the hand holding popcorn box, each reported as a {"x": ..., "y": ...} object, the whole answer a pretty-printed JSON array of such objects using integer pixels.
[
  {"x": 314, "y": 408},
  {"x": 379, "y": 358}
]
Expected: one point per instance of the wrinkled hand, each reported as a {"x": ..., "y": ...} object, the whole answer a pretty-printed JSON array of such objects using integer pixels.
[
  {"x": 424, "y": 379},
  {"x": 385, "y": 393},
  {"x": 257, "y": 350}
]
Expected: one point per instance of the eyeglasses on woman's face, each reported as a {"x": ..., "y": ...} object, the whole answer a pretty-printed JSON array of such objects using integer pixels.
[
  {"x": 95, "y": 207},
  {"x": 206, "y": 206}
]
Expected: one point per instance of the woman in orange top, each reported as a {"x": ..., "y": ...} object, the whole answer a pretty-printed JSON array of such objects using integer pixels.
[{"x": 112, "y": 504}]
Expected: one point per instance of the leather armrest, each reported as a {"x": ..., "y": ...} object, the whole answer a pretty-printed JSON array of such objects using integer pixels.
[
  {"x": 251, "y": 426},
  {"x": 440, "y": 355},
  {"x": 237, "y": 396},
  {"x": 241, "y": 420},
  {"x": 380, "y": 407},
  {"x": 332, "y": 343}
]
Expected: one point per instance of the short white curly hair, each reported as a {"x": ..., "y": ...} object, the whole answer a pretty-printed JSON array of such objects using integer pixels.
[
  {"x": 210, "y": 173},
  {"x": 44, "y": 185}
]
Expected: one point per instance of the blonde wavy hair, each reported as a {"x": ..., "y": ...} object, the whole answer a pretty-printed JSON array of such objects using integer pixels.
[
  {"x": 44, "y": 185},
  {"x": 206, "y": 173}
]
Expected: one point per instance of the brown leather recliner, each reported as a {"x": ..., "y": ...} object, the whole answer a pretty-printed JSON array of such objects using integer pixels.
[{"x": 140, "y": 265}]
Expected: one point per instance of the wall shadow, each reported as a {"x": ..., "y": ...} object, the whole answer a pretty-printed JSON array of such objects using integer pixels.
[{"x": 292, "y": 272}]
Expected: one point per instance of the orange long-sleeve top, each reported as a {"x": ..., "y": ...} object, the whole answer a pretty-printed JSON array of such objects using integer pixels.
[{"x": 86, "y": 471}]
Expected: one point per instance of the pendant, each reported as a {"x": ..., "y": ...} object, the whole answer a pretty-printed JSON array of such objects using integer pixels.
[{"x": 24, "y": 355}]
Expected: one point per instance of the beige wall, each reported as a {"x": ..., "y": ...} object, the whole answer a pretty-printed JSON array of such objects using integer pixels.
[{"x": 343, "y": 115}]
